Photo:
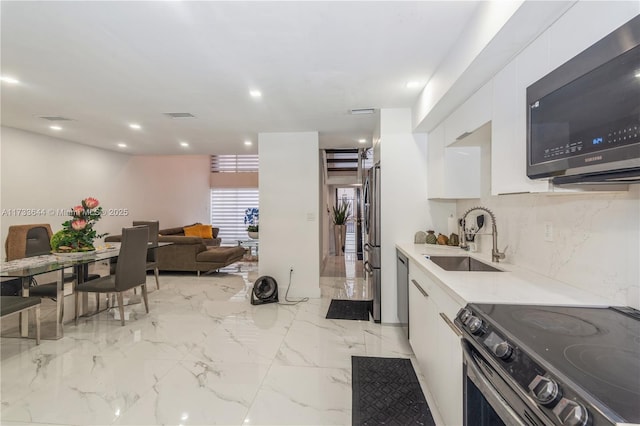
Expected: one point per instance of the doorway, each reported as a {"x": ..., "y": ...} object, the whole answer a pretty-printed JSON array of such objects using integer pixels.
[{"x": 353, "y": 240}]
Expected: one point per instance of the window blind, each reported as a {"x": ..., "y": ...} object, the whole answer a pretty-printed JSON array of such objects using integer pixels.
[
  {"x": 234, "y": 163},
  {"x": 227, "y": 212}
]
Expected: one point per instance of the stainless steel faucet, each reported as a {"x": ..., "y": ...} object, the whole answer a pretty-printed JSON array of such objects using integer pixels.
[{"x": 496, "y": 255}]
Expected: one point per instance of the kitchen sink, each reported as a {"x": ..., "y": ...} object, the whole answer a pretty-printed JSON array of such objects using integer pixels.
[{"x": 462, "y": 263}]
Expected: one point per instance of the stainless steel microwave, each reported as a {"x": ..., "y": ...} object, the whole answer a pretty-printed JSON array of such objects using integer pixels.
[{"x": 583, "y": 118}]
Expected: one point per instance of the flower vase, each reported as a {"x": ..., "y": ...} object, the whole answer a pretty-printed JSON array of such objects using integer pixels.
[
  {"x": 339, "y": 237},
  {"x": 253, "y": 235}
]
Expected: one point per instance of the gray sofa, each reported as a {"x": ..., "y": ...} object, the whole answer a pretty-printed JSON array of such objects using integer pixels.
[{"x": 191, "y": 253}]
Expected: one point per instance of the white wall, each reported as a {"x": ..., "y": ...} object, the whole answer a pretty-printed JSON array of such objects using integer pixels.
[
  {"x": 404, "y": 206},
  {"x": 42, "y": 172},
  {"x": 289, "y": 211}
]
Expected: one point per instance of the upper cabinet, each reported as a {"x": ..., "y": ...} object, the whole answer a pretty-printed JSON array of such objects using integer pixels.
[
  {"x": 460, "y": 170},
  {"x": 509, "y": 126},
  {"x": 459, "y": 150},
  {"x": 502, "y": 102},
  {"x": 435, "y": 163},
  {"x": 472, "y": 114}
]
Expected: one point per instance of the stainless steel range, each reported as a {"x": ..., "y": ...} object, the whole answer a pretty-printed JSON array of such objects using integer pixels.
[{"x": 550, "y": 365}]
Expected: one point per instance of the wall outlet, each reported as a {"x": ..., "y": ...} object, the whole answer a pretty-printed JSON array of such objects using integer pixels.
[{"x": 548, "y": 231}]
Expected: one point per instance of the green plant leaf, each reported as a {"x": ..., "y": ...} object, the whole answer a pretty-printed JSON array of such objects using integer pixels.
[{"x": 340, "y": 213}]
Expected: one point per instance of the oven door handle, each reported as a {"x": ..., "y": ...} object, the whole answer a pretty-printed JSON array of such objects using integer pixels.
[{"x": 496, "y": 400}]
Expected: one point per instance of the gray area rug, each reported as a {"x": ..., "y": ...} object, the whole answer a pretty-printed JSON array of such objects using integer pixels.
[
  {"x": 386, "y": 391},
  {"x": 349, "y": 309}
]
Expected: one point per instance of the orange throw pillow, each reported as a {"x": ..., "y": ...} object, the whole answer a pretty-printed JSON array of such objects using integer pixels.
[
  {"x": 206, "y": 231},
  {"x": 202, "y": 231}
]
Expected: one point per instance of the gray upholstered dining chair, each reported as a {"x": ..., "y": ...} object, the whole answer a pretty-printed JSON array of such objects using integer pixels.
[
  {"x": 152, "y": 253},
  {"x": 27, "y": 240},
  {"x": 15, "y": 304},
  {"x": 35, "y": 240},
  {"x": 131, "y": 270}
]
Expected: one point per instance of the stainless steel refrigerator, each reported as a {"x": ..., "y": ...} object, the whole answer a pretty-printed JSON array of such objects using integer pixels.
[{"x": 371, "y": 201}]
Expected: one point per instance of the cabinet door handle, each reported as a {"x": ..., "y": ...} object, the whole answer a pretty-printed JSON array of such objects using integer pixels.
[
  {"x": 401, "y": 260},
  {"x": 451, "y": 325},
  {"x": 424, "y": 293}
]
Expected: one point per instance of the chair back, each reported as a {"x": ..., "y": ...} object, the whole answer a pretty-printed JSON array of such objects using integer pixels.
[
  {"x": 131, "y": 269},
  {"x": 154, "y": 230},
  {"x": 38, "y": 242},
  {"x": 28, "y": 240}
]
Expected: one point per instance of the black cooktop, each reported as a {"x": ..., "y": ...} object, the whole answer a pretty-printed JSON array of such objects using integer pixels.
[{"x": 596, "y": 348}]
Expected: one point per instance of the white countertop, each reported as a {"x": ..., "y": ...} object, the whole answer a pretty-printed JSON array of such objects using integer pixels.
[{"x": 515, "y": 285}]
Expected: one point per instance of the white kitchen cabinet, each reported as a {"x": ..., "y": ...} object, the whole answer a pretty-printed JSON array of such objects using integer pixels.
[
  {"x": 508, "y": 138},
  {"x": 453, "y": 171},
  {"x": 422, "y": 328},
  {"x": 455, "y": 164},
  {"x": 435, "y": 342},
  {"x": 476, "y": 111},
  {"x": 435, "y": 163}
]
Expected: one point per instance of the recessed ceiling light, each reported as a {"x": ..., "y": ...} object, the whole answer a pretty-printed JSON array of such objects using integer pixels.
[
  {"x": 135, "y": 126},
  {"x": 55, "y": 127},
  {"x": 122, "y": 145},
  {"x": 362, "y": 141},
  {"x": 10, "y": 80},
  {"x": 414, "y": 84},
  {"x": 255, "y": 93},
  {"x": 248, "y": 143},
  {"x": 184, "y": 144}
]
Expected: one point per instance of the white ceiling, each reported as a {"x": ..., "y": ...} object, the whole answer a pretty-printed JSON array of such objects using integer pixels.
[{"x": 107, "y": 64}]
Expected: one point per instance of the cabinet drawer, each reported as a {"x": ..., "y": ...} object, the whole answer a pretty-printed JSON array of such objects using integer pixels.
[{"x": 417, "y": 274}]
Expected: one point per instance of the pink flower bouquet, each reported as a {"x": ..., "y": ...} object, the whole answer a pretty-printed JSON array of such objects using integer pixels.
[{"x": 77, "y": 234}]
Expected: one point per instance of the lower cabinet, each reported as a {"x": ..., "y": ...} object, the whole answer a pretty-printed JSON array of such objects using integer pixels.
[
  {"x": 436, "y": 343},
  {"x": 422, "y": 326}
]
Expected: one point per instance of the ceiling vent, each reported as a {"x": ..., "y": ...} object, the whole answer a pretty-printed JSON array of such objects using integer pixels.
[
  {"x": 56, "y": 118},
  {"x": 179, "y": 115},
  {"x": 360, "y": 111}
]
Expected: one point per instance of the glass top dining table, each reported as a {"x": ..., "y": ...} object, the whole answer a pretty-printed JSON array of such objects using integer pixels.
[
  {"x": 37, "y": 265},
  {"x": 29, "y": 267}
]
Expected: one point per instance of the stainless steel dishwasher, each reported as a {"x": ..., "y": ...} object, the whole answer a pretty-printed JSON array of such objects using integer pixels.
[{"x": 402, "y": 283}]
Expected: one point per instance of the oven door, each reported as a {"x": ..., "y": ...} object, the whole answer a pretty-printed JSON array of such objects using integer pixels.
[{"x": 488, "y": 399}]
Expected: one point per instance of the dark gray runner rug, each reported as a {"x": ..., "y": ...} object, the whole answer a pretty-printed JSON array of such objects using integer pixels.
[
  {"x": 349, "y": 309},
  {"x": 386, "y": 391}
]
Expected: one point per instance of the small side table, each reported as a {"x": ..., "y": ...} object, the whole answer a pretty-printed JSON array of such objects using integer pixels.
[{"x": 251, "y": 246}]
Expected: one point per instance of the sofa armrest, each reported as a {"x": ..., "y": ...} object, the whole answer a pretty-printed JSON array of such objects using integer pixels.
[{"x": 212, "y": 242}]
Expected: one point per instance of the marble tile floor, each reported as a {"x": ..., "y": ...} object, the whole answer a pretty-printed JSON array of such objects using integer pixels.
[{"x": 202, "y": 356}]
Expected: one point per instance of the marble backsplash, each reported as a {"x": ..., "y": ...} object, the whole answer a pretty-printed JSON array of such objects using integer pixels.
[{"x": 595, "y": 238}]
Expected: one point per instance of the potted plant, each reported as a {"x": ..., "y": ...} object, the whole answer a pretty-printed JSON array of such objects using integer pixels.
[
  {"x": 340, "y": 216},
  {"x": 251, "y": 218}
]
